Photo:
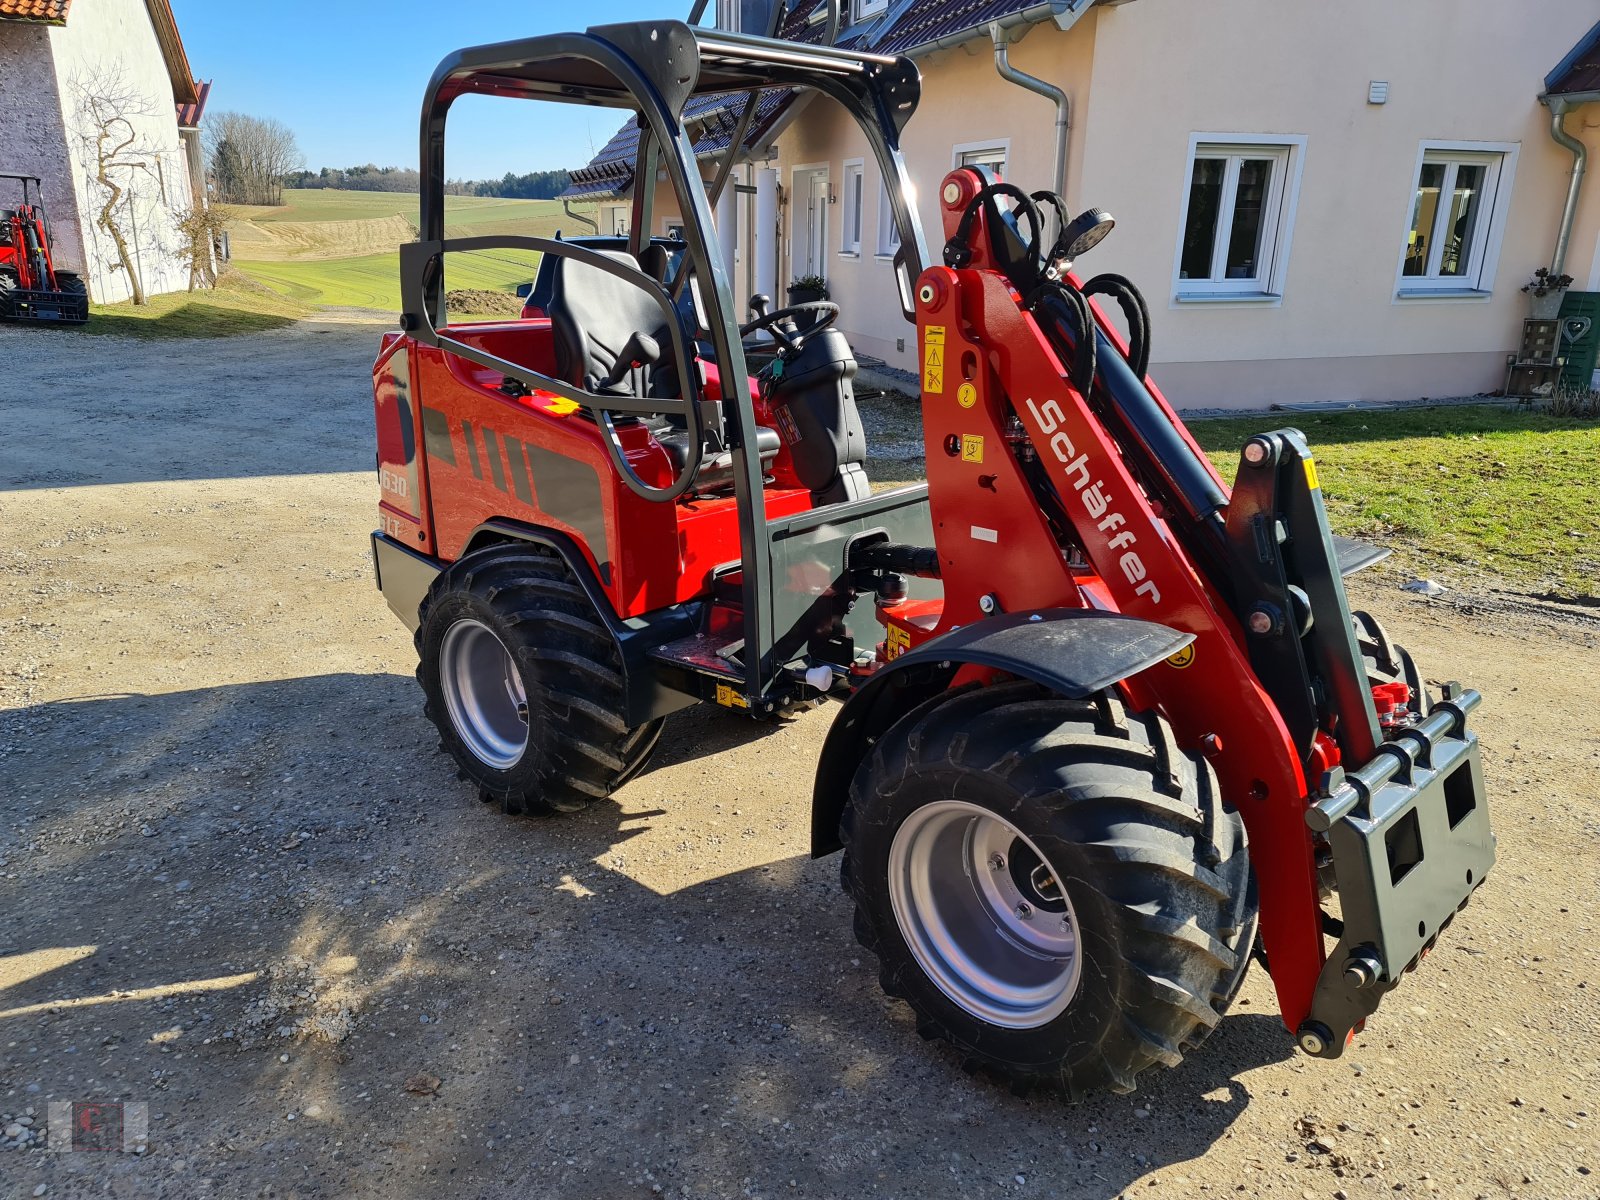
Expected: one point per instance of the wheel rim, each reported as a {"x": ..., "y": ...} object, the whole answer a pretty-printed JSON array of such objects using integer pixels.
[
  {"x": 483, "y": 691},
  {"x": 984, "y": 914}
]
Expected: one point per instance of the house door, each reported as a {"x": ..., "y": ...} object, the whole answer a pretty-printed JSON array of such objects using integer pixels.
[{"x": 809, "y": 255}]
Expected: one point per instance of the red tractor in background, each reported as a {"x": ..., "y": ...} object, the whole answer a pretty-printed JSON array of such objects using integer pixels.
[
  {"x": 1103, "y": 715},
  {"x": 31, "y": 288}
]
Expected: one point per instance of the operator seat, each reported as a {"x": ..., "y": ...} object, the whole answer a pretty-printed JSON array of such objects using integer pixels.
[{"x": 593, "y": 314}]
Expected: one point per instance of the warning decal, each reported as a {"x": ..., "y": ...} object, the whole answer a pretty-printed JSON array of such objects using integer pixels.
[
  {"x": 971, "y": 448},
  {"x": 896, "y": 644},
  {"x": 933, "y": 359},
  {"x": 966, "y": 395}
]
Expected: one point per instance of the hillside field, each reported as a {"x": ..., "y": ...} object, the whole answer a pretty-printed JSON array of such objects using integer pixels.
[{"x": 339, "y": 249}]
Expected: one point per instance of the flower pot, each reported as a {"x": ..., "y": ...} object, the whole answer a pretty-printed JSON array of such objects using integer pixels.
[{"x": 1548, "y": 306}]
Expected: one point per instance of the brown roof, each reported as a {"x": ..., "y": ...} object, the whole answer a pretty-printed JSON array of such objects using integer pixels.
[
  {"x": 52, "y": 12},
  {"x": 166, "y": 27},
  {"x": 1580, "y": 71}
]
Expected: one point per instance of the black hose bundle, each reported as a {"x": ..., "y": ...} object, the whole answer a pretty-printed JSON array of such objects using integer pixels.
[{"x": 1134, "y": 310}]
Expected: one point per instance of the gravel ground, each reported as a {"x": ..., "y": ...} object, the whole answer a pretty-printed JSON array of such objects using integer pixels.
[{"x": 243, "y": 888}]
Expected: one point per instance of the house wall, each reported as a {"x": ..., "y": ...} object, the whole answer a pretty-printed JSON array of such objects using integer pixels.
[
  {"x": 113, "y": 41},
  {"x": 1144, "y": 77},
  {"x": 35, "y": 140},
  {"x": 1459, "y": 70},
  {"x": 963, "y": 101}
]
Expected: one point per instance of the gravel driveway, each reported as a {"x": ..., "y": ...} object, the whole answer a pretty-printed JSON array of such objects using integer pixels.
[{"x": 242, "y": 888}]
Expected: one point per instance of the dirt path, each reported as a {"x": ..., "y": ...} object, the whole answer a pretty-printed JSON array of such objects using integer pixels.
[{"x": 242, "y": 887}]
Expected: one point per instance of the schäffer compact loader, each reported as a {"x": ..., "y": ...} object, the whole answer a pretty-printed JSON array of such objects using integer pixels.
[{"x": 1076, "y": 668}]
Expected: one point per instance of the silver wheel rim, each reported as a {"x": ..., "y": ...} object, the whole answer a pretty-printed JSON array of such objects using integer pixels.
[
  {"x": 484, "y": 693},
  {"x": 984, "y": 914}
]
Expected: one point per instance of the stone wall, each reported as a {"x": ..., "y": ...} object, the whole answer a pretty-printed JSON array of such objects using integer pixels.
[{"x": 35, "y": 140}]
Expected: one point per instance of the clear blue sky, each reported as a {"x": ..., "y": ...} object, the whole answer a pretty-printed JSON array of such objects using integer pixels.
[{"x": 347, "y": 76}]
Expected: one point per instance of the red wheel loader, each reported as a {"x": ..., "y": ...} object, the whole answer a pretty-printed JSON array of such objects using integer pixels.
[
  {"x": 1104, "y": 718},
  {"x": 31, "y": 288}
]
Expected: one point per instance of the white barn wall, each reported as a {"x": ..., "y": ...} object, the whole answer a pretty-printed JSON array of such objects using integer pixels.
[{"x": 101, "y": 37}]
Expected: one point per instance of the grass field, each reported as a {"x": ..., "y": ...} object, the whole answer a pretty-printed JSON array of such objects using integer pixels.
[
  {"x": 236, "y": 305},
  {"x": 373, "y": 280},
  {"x": 334, "y": 248},
  {"x": 1481, "y": 489}
]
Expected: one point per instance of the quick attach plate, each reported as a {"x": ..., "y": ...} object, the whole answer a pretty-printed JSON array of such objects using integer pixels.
[{"x": 1411, "y": 841}]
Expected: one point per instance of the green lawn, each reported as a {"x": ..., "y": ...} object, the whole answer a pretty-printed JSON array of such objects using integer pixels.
[
  {"x": 309, "y": 204},
  {"x": 1463, "y": 491},
  {"x": 236, "y": 305},
  {"x": 368, "y": 280},
  {"x": 373, "y": 280}
]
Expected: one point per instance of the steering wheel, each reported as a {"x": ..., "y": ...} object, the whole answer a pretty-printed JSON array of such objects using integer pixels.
[{"x": 827, "y": 312}]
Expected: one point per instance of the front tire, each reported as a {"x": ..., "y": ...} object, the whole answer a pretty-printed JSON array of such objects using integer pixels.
[
  {"x": 525, "y": 683},
  {"x": 1050, "y": 884}
]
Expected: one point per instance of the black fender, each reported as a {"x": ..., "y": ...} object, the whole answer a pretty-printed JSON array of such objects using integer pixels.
[{"x": 1074, "y": 652}]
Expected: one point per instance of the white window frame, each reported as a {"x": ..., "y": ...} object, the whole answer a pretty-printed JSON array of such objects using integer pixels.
[
  {"x": 888, "y": 228},
  {"x": 862, "y": 9},
  {"x": 854, "y": 217},
  {"x": 960, "y": 150},
  {"x": 1478, "y": 282},
  {"x": 1279, "y": 208}
]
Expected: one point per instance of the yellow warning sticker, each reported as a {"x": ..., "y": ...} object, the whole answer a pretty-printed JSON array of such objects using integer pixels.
[
  {"x": 933, "y": 359},
  {"x": 966, "y": 395},
  {"x": 897, "y": 643},
  {"x": 1311, "y": 474},
  {"x": 971, "y": 447},
  {"x": 729, "y": 698},
  {"x": 1182, "y": 658}
]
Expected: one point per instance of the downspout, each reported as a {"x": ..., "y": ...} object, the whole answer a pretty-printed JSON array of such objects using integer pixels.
[
  {"x": 1002, "y": 64},
  {"x": 566, "y": 206},
  {"x": 1580, "y": 164}
]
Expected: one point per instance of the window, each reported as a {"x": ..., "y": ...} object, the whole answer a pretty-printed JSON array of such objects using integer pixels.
[
  {"x": 854, "y": 201},
  {"x": 867, "y": 8},
  {"x": 888, "y": 231},
  {"x": 983, "y": 154},
  {"x": 1238, "y": 217},
  {"x": 1457, "y": 211}
]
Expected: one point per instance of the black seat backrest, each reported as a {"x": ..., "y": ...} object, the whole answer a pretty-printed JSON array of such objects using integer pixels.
[
  {"x": 593, "y": 314},
  {"x": 655, "y": 262}
]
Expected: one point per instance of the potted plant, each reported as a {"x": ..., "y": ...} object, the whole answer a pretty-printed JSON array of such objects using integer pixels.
[
  {"x": 1545, "y": 293},
  {"x": 805, "y": 289}
]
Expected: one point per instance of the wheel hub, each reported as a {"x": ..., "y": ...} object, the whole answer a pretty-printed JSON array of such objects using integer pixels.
[
  {"x": 484, "y": 693},
  {"x": 984, "y": 914}
]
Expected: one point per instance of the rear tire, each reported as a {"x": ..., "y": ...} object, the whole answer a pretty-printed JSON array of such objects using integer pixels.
[
  {"x": 1050, "y": 884},
  {"x": 8, "y": 284},
  {"x": 525, "y": 683}
]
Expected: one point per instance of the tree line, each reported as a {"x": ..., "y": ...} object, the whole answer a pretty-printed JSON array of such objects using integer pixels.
[
  {"x": 252, "y": 159},
  {"x": 536, "y": 185}
]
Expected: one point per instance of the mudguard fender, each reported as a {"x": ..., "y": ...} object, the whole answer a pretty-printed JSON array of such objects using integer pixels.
[{"x": 1074, "y": 652}]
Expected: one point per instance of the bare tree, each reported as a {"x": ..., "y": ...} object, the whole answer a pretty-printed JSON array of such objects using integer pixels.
[
  {"x": 200, "y": 231},
  {"x": 116, "y": 153},
  {"x": 248, "y": 157}
]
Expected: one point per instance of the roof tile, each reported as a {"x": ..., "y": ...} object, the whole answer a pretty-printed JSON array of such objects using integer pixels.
[{"x": 51, "y": 11}]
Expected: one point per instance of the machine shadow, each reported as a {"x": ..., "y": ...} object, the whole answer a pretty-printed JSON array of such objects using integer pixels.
[{"x": 289, "y": 868}]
